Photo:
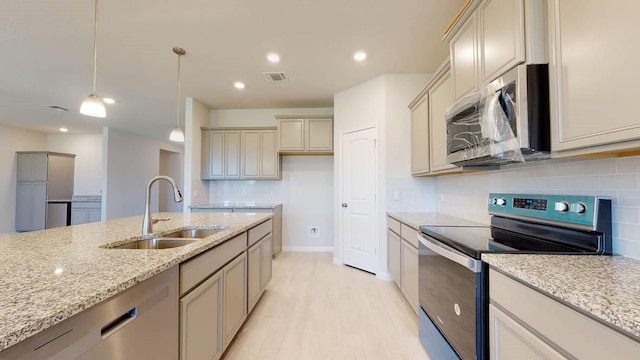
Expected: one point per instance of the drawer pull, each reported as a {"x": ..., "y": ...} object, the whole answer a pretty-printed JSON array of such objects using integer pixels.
[{"x": 118, "y": 323}]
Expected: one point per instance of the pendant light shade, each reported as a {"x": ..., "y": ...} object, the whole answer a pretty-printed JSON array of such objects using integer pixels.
[
  {"x": 93, "y": 105},
  {"x": 176, "y": 134}
]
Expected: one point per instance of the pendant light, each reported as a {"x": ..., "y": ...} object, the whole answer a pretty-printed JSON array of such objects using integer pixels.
[
  {"x": 93, "y": 105},
  {"x": 176, "y": 134}
]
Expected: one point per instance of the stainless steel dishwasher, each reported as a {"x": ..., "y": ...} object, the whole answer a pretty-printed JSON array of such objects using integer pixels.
[{"x": 139, "y": 323}]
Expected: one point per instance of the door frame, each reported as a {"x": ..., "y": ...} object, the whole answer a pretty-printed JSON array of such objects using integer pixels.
[{"x": 340, "y": 259}]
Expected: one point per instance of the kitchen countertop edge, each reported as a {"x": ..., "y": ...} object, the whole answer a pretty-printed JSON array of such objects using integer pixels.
[{"x": 604, "y": 288}]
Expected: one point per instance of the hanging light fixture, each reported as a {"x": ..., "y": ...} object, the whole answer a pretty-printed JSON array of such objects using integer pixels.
[
  {"x": 176, "y": 134},
  {"x": 93, "y": 105}
]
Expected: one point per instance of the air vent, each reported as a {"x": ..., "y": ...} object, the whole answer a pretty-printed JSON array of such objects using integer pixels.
[
  {"x": 56, "y": 107},
  {"x": 275, "y": 76}
]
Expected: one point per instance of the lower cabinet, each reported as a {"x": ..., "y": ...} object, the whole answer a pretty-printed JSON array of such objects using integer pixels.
[
  {"x": 219, "y": 288},
  {"x": 410, "y": 274},
  {"x": 393, "y": 251},
  {"x": 200, "y": 319},
  {"x": 402, "y": 259},
  {"x": 259, "y": 262},
  {"x": 85, "y": 212},
  {"x": 525, "y": 323},
  {"x": 234, "y": 294}
]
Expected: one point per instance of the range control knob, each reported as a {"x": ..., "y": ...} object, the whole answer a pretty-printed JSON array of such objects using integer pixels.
[
  {"x": 561, "y": 206},
  {"x": 578, "y": 208},
  {"x": 501, "y": 201},
  {"x": 492, "y": 201}
]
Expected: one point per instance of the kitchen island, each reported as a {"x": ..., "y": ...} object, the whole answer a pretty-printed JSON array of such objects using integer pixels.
[{"x": 48, "y": 276}]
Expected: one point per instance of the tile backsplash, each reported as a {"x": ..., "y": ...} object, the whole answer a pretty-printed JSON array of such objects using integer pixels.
[{"x": 466, "y": 195}]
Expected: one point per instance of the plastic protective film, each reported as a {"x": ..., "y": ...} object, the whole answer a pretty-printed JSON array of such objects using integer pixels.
[{"x": 479, "y": 127}]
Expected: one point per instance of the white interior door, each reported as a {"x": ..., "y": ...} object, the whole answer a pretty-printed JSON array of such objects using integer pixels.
[{"x": 359, "y": 159}]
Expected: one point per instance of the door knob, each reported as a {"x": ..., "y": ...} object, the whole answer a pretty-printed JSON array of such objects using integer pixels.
[{"x": 344, "y": 205}]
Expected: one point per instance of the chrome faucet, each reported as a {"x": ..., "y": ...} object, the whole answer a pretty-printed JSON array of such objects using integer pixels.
[{"x": 147, "y": 222}]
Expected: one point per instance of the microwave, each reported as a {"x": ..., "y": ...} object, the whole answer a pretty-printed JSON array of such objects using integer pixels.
[{"x": 505, "y": 122}]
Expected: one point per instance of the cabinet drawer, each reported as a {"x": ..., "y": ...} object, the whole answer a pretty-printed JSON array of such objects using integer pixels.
[
  {"x": 86, "y": 205},
  {"x": 199, "y": 268},
  {"x": 393, "y": 224},
  {"x": 410, "y": 235},
  {"x": 573, "y": 332},
  {"x": 260, "y": 231}
]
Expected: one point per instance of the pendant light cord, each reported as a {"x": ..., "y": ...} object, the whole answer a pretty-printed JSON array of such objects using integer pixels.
[
  {"x": 95, "y": 46},
  {"x": 178, "y": 95}
]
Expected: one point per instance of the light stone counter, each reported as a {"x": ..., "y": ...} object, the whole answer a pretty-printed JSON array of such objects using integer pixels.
[
  {"x": 48, "y": 276},
  {"x": 415, "y": 219},
  {"x": 236, "y": 205},
  {"x": 606, "y": 288}
]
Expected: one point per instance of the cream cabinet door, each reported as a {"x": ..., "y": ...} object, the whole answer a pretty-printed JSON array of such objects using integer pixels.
[
  {"x": 410, "y": 274},
  {"x": 232, "y": 154},
  {"x": 510, "y": 340},
  {"x": 266, "y": 253},
  {"x": 250, "y": 153},
  {"x": 420, "y": 137},
  {"x": 213, "y": 154},
  {"x": 291, "y": 134},
  {"x": 440, "y": 98},
  {"x": 393, "y": 257},
  {"x": 32, "y": 167},
  {"x": 234, "y": 293},
  {"x": 319, "y": 134},
  {"x": 464, "y": 56},
  {"x": 201, "y": 321},
  {"x": 594, "y": 75},
  {"x": 501, "y": 47},
  {"x": 269, "y": 158},
  {"x": 254, "y": 288}
]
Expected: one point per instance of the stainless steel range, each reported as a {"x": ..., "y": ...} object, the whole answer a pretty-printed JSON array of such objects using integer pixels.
[{"x": 453, "y": 281}]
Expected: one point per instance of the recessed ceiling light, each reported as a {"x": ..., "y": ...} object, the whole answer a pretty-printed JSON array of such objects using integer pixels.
[
  {"x": 108, "y": 100},
  {"x": 360, "y": 56},
  {"x": 238, "y": 85},
  {"x": 273, "y": 57},
  {"x": 63, "y": 129}
]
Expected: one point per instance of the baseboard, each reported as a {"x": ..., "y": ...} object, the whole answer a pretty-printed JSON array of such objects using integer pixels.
[
  {"x": 384, "y": 276},
  {"x": 307, "y": 248}
]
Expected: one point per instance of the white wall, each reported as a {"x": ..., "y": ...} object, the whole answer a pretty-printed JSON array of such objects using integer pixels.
[
  {"x": 88, "y": 161},
  {"x": 306, "y": 193},
  {"x": 258, "y": 117},
  {"x": 305, "y": 189},
  {"x": 466, "y": 195},
  {"x": 12, "y": 140},
  {"x": 130, "y": 161},
  {"x": 171, "y": 165},
  {"x": 196, "y": 191},
  {"x": 382, "y": 102}
]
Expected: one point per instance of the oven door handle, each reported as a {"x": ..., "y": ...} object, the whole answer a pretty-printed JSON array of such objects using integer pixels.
[{"x": 451, "y": 254}]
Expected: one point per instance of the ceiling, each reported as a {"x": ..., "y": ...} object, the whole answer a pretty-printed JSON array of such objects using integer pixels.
[{"x": 46, "y": 55}]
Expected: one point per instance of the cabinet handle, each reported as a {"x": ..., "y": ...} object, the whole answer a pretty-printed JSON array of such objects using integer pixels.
[
  {"x": 118, "y": 323},
  {"x": 344, "y": 205}
]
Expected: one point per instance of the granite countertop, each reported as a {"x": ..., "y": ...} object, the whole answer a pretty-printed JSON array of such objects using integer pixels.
[
  {"x": 86, "y": 198},
  {"x": 415, "y": 219},
  {"x": 47, "y": 276},
  {"x": 236, "y": 205},
  {"x": 606, "y": 288}
]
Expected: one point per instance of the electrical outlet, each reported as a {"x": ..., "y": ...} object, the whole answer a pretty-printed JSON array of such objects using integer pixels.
[{"x": 314, "y": 232}]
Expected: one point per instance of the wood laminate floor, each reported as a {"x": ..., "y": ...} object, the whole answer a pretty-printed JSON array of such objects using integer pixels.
[{"x": 314, "y": 309}]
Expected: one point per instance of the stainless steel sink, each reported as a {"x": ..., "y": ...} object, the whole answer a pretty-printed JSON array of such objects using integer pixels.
[
  {"x": 170, "y": 240},
  {"x": 190, "y": 233},
  {"x": 158, "y": 243}
]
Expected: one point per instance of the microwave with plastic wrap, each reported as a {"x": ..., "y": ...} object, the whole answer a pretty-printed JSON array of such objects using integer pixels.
[{"x": 505, "y": 122}]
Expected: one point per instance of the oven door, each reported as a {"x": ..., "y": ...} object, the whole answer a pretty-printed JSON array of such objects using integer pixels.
[{"x": 451, "y": 294}]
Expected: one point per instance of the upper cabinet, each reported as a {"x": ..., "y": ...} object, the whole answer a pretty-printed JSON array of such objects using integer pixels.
[
  {"x": 501, "y": 25},
  {"x": 594, "y": 77},
  {"x": 305, "y": 135},
  {"x": 496, "y": 36},
  {"x": 240, "y": 154},
  {"x": 428, "y": 125}
]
